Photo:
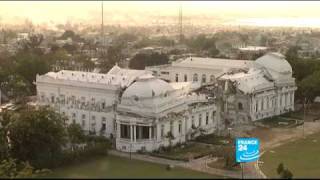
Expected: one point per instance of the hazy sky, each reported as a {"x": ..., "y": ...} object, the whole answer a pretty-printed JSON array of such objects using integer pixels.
[{"x": 306, "y": 12}]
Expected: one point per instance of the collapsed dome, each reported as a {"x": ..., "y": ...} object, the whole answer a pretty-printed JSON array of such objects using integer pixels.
[
  {"x": 275, "y": 62},
  {"x": 147, "y": 86}
]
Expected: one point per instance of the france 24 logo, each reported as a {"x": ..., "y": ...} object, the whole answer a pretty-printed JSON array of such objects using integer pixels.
[{"x": 247, "y": 149}]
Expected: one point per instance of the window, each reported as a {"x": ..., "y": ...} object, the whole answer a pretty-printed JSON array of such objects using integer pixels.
[
  {"x": 257, "y": 104},
  {"x": 73, "y": 115},
  {"x": 171, "y": 126},
  {"x": 162, "y": 130},
  {"x": 103, "y": 105},
  {"x": 103, "y": 124},
  {"x": 207, "y": 118},
  {"x": 145, "y": 132},
  {"x": 42, "y": 97},
  {"x": 163, "y": 72},
  {"x": 204, "y": 78},
  {"x": 195, "y": 77},
  {"x": 83, "y": 124},
  {"x": 83, "y": 116},
  {"x": 213, "y": 114},
  {"x": 185, "y": 78},
  {"x": 124, "y": 131},
  {"x": 62, "y": 98},
  {"x": 240, "y": 106},
  {"x": 177, "y": 77},
  {"x": 192, "y": 121},
  {"x": 200, "y": 119},
  {"x": 52, "y": 99},
  {"x": 180, "y": 127},
  {"x": 211, "y": 78}
]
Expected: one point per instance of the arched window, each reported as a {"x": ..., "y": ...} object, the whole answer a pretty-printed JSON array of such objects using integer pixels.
[
  {"x": 204, "y": 78},
  {"x": 185, "y": 78},
  {"x": 207, "y": 118},
  {"x": 240, "y": 106},
  {"x": 211, "y": 78},
  {"x": 180, "y": 127},
  {"x": 195, "y": 77}
]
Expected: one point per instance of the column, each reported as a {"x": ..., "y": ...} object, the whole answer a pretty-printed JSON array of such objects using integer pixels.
[
  {"x": 118, "y": 130},
  {"x": 131, "y": 133},
  {"x": 150, "y": 129},
  {"x": 292, "y": 102},
  {"x": 134, "y": 133}
]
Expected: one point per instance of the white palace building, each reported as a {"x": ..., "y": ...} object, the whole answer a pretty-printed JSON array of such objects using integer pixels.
[
  {"x": 164, "y": 105},
  {"x": 140, "y": 111}
]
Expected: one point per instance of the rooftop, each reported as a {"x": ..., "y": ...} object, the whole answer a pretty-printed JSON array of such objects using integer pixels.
[
  {"x": 251, "y": 81},
  {"x": 212, "y": 63},
  {"x": 253, "y": 48},
  {"x": 116, "y": 76}
]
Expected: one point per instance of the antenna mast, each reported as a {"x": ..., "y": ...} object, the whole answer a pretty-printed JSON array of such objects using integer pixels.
[
  {"x": 180, "y": 23},
  {"x": 102, "y": 25}
]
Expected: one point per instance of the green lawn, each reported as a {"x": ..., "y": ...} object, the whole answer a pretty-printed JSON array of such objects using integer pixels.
[
  {"x": 276, "y": 122},
  {"x": 301, "y": 157},
  {"x": 214, "y": 139},
  {"x": 117, "y": 167},
  {"x": 185, "y": 152}
]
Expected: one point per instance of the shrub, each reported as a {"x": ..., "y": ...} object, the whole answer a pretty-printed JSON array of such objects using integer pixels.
[{"x": 280, "y": 168}]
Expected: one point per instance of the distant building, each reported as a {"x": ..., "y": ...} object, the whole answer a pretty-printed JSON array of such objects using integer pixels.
[
  {"x": 251, "y": 52},
  {"x": 197, "y": 69}
]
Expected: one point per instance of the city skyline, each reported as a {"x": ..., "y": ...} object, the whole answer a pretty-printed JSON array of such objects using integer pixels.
[{"x": 272, "y": 13}]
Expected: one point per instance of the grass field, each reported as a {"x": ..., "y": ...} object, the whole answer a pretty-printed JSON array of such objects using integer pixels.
[
  {"x": 192, "y": 150},
  {"x": 301, "y": 157},
  {"x": 117, "y": 167}
]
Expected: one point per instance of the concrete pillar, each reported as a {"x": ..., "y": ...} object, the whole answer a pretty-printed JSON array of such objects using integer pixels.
[
  {"x": 292, "y": 98},
  {"x": 150, "y": 129},
  {"x": 131, "y": 133},
  {"x": 118, "y": 130},
  {"x": 134, "y": 133}
]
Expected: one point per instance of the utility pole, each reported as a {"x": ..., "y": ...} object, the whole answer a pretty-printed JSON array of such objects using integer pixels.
[
  {"x": 242, "y": 175},
  {"x": 304, "y": 116}
]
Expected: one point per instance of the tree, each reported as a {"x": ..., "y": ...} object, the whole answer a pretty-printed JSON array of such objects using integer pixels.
[
  {"x": 213, "y": 51},
  {"x": 70, "y": 34},
  {"x": 75, "y": 134},
  {"x": 280, "y": 168},
  {"x": 309, "y": 87},
  {"x": 113, "y": 56},
  {"x": 12, "y": 169},
  {"x": 17, "y": 88},
  {"x": 286, "y": 174},
  {"x": 32, "y": 45},
  {"x": 140, "y": 61},
  {"x": 229, "y": 157},
  {"x": 70, "y": 48},
  {"x": 36, "y": 135}
]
